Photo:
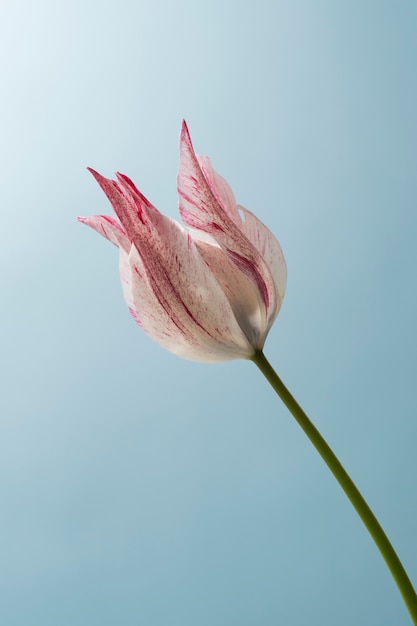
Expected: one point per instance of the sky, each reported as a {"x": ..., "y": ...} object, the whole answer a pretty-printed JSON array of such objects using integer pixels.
[{"x": 137, "y": 488}]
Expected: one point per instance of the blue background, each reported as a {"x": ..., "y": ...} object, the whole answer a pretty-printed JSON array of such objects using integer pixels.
[{"x": 138, "y": 488}]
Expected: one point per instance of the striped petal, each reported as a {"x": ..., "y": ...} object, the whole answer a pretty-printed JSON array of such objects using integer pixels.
[
  {"x": 268, "y": 247},
  {"x": 210, "y": 211},
  {"x": 257, "y": 233}
]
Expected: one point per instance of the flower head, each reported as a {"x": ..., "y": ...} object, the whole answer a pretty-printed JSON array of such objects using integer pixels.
[{"x": 210, "y": 292}]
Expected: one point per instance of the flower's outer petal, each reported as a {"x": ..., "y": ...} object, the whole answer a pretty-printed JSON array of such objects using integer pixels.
[
  {"x": 268, "y": 247},
  {"x": 220, "y": 188},
  {"x": 200, "y": 210},
  {"x": 169, "y": 288},
  {"x": 110, "y": 228},
  {"x": 160, "y": 325},
  {"x": 257, "y": 233}
]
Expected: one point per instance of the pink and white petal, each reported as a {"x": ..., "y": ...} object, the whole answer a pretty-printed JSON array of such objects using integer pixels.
[
  {"x": 126, "y": 209},
  {"x": 257, "y": 233},
  {"x": 268, "y": 247},
  {"x": 243, "y": 296},
  {"x": 182, "y": 278},
  {"x": 168, "y": 327},
  {"x": 108, "y": 227},
  {"x": 200, "y": 210},
  {"x": 198, "y": 206},
  {"x": 144, "y": 306},
  {"x": 220, "y": 188}
]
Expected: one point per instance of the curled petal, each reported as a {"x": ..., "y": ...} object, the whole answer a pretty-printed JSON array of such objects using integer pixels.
[
  {"x": 200, "y": 209},
  {"x": 268, "y": 247},
  {"x": 220, "y": 188},
  {"x": 257, "y": 233}
]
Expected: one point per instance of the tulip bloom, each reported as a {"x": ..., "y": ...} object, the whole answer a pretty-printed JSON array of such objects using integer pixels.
[{"x": 210, "y": 292}]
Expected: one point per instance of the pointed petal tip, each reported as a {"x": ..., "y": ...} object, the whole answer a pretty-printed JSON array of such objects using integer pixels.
[
  {"x": 185, "y": 134},
  {"x": 96, "y": 175},
  {"x": 102, "y": 180},
  {"x": 89, "y": 221},
  {"x": 122, "y": 178},
  {"x": 127, "y": 183}
]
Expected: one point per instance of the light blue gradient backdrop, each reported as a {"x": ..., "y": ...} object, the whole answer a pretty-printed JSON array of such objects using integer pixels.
[{"x": 140, "y": 489}]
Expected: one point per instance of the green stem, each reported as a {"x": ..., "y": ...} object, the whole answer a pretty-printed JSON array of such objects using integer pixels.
[{"x": 374, "y": 528}]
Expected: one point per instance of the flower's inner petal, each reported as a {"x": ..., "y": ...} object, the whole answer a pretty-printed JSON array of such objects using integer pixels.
[{"x": 243, "y": 296}]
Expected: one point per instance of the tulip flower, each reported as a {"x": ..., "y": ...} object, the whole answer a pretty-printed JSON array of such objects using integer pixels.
[{"x": 209, "y": 292}]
